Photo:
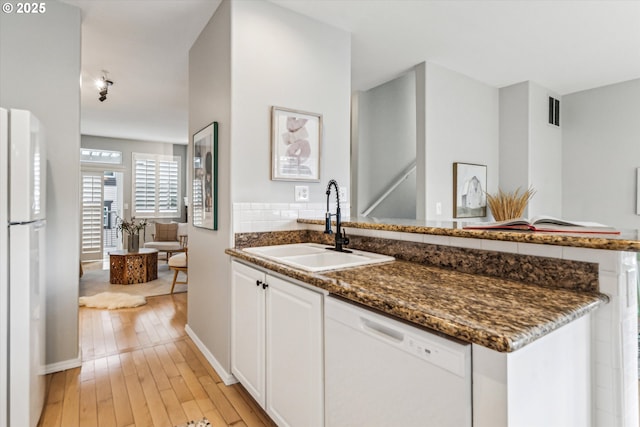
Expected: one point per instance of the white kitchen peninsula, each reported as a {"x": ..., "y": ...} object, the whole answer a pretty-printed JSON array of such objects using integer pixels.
[{"x": 576, "y": 338}]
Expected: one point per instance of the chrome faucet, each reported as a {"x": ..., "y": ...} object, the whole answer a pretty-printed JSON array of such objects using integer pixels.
[{"x": 341, "y": 236}]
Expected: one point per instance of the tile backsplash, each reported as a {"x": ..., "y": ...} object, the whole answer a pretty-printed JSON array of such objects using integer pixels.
[{"x": 254, "y": 217}]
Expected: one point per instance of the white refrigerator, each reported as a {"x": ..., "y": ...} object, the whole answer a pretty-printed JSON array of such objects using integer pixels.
[{"x": 22, "y": 273}]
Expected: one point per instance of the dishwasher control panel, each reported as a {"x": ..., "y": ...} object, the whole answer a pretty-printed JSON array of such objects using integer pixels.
[{"x": 452, "y": 361}]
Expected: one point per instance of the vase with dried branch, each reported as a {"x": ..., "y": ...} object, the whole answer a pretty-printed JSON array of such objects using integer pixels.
[
  {"x": 509, "y": 205},
  {"x": 132, "y": 228}
]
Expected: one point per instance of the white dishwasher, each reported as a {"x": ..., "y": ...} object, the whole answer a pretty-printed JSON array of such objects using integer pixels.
[{"x": 382, "y": 372}]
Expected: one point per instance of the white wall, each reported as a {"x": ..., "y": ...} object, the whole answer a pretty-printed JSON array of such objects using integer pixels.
[
  {"x": 250, "y": 56},
  {"x": 461, "y": 126},
  {"x": 40, "y": 71},
  {"x": 421, "y": 140},
  {"x": 601, "y": 151},
  {"x": 129, "y": 146},
  {"x": 545, "y": 165},
  {"x": 531, "y": 148},
  {"x": 514, "y": 137},
  {"x": 456, "y": 120},
  {"x": 209, "y": 267},
  {"x": 386, "y": 146},
  {"x": 284, "y": 59}
]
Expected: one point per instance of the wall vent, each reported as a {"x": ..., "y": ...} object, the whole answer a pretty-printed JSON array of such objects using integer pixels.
[{"x": 554, "y": 111}]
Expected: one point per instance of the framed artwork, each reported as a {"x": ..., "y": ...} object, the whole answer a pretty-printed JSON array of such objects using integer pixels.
[
  {"x": 469, "y": 190},
  {"x": 296, "y": 139},
  {"x": 204, "y": 175}
]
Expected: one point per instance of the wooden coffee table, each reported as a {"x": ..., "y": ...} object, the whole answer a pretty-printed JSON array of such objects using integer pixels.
[{"x": 127, "y": 268}]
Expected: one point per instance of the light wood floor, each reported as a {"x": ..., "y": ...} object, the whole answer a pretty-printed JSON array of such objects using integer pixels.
[{"x": 141, "y": 369}]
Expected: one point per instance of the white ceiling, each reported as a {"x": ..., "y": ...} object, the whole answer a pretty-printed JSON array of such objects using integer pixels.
[
  {"x": 144, "y": 45},
  {"x": 564, "y": 45}
]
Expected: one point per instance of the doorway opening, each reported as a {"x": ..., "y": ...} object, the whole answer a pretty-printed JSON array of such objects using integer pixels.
[
  {"x": 101, "y": 204},
  {"x": 112, "y": 209}
]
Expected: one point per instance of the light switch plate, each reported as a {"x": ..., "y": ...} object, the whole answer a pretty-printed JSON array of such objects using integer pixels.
[{"x": 302, "y": 193}]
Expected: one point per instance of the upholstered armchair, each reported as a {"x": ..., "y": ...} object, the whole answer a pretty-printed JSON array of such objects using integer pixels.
[{"x": 168, "y": 238}]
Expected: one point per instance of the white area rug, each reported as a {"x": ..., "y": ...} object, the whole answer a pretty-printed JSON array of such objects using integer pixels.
[
  {"x": 112, "y": 300},
  {"x": 95, "y": 281},
  {"x": 202, "y": 423}
]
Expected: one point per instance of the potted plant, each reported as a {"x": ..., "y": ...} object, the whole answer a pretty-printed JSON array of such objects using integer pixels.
[{"x": 132, "y": 228}]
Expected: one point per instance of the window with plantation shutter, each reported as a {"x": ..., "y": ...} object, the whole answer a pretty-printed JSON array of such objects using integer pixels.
[
  {"x": 144, "y": 186},
  {"x": 156, "y": 186},
  {"x": 168, "y": 186},
  {"x": 91, "y": 215}
]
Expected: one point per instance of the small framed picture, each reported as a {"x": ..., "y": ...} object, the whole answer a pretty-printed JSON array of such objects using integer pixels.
[
  {"x": 204, "y": 175},
  {"x": 296, "y": 140},
  {"x": 469, "y": 190}
]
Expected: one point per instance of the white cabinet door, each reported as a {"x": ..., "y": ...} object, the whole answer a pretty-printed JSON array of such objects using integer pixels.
[
  {"x": 248, "y": 329},
  {"x": 295, "y": 375},
  {"x": 277, "y": 345}
]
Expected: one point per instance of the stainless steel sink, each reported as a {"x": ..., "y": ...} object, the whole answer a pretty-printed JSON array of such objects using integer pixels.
[{"x": 315, "y": 257}]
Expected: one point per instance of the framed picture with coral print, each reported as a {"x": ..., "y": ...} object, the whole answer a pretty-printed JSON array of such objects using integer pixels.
[
  {"x": 204, "y": 175},
  {"x": 296, "y": 140},
  {"x": 469, "y": 190}
]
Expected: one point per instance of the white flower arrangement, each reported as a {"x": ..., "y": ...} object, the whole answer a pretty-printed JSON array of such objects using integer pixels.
[{"x": 132, "y": 227}]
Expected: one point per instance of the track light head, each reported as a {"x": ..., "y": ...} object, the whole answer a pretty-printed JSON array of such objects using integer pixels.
[{"x": 103, "y": 84}]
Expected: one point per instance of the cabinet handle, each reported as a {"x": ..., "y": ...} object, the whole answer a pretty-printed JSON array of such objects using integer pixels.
[
  {"x": 265, "y": 285},
  {"x": 258, "y": 283}
]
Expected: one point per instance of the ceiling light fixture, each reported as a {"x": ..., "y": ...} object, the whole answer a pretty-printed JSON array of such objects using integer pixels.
[{"x": 103, "y": 84}]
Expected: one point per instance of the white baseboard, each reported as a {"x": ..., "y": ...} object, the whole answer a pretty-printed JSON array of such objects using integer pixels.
[
  {"x": 225, "y": 376},
  {"x": 64, "y": 365}
]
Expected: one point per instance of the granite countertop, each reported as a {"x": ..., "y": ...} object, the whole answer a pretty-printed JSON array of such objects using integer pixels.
[
  {"x": 627, "y": 240},
  {"x": 500, "y": 314}
]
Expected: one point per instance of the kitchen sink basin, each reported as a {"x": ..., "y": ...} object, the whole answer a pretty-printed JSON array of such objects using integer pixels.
[
  {"x": 315, "y": 257},
  {"x": 279, "y": 251}
]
